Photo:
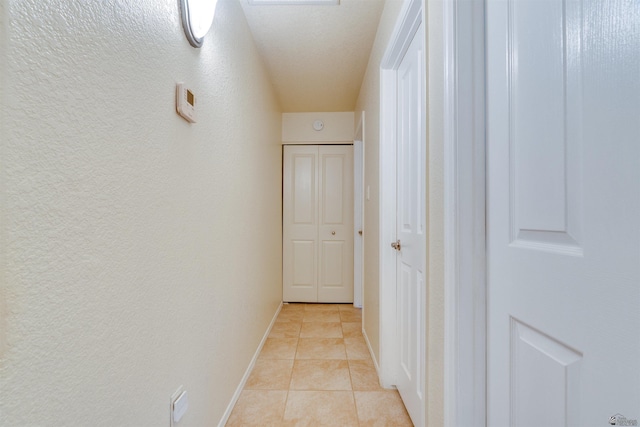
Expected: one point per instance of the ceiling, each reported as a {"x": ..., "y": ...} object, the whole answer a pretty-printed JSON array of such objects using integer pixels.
[{"x": 316, "y": 54}]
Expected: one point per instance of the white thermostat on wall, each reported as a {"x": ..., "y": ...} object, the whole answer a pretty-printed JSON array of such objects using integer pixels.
[{"x": 186, "y": 103}]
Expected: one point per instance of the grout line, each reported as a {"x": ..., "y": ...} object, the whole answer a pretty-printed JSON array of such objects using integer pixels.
[
  {"x": 295, "y": 355},
  {"x": 295, "y": 358}
]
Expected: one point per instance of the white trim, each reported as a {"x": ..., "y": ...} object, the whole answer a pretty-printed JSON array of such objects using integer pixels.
[
  {"x": 373, "y": 356},
  {"x": 245, "y": 377},
  {"x": 409, "y": 21},
  {"x": 358, "y": 193},
  {"x": 345, "y": 142},
  {"x": 387, "y": 273},
  {"x": 464, "y": 192}
]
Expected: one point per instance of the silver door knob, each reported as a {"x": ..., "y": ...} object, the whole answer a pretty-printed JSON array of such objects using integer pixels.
[
  {"x": 333, "y": 233},
  {"x": 396, "y": 245}
]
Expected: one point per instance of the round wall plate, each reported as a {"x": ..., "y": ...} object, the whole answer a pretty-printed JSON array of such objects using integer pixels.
[{"x": 318, "y": 125}]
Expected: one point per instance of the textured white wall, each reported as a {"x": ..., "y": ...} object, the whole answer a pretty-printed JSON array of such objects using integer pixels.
[
  {"x": 140, "y": 252},
  {"x": 298, "y": 127},
  {"x": 369, "y": 101}
]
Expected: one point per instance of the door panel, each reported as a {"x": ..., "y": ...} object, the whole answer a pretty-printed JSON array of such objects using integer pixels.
[
  {"x": 304, "y": 201},
  {"x": 333, "y": 254},
  {"x": 336, "y": 223},
  {"x": 304, "y": 260},
  {"x": 333, "y": 181},
  {"x": 547, "y": 369},
  {"x": 562, "y": 212},
  {"x": 545, "y": 124},
  {"x": 411, "y": 218},
  {"x": 300, "y": 224}
]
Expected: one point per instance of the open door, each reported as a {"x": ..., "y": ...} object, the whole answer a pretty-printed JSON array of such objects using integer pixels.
[{"x": 563, "y": 110}]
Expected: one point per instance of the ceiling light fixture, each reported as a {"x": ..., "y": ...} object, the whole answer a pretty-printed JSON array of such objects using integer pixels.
[{"x": 197, "y": 17}]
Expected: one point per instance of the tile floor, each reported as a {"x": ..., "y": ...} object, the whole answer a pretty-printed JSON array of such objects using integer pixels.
[{"x": 315, "y": 370}]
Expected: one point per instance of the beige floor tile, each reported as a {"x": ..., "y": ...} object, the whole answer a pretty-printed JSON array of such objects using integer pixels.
[
  {"x": 322, "y": 307},
  {"x": 320, "y": 408},
  {"x": 350, "y": 316},
  {"x": 321, "y": 330},
  {"x": 348, "y": 307},
  {"x": 364, "y": 375},
  {"x": 321, "y": 316},
  {"x": 290, "y": 316},
  {"x": 357, "y": 348},
  {"x": 279, "y": 348},
  {"x": 380, "y": 408},
  {"x": 293, "y": 306},
  {"x": 258, "y": 408},
  {"x": 285, "y": 330},
  {"x": 352, "y": 329},
  {"x": 321, "y": 348},
  {"x": 270, "y": 375},
  {"x": 321, "y": 375}
]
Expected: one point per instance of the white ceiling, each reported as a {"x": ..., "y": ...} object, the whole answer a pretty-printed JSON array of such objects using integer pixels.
[{"x": 316, "y": 55}]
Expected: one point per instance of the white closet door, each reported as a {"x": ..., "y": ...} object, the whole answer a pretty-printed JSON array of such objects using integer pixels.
[
  {"x": 300, "y": 224},
  {"x": 335, "y": 233},
  {"x": 318, "y": 224}
]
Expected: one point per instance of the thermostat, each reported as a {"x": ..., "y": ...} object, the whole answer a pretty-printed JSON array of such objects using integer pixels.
[{"x": 186, "y": 103}]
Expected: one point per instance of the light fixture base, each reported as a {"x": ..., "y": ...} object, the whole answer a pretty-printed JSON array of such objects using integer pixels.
[{"x": 197, "y": 17}]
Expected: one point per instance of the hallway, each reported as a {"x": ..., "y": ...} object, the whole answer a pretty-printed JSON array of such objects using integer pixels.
[{"x": 315, "y": 369}]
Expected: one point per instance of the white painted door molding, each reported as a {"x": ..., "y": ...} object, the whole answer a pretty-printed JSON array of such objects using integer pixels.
[
  {"x": 464, "y": 193},
  {"x": 358, "y": 212},
  {"x": 410, "y": 18}
]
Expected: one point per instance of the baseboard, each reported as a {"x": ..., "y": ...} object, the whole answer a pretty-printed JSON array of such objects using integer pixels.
[
  {"x": 245, "y": 377},
  {"x": 373, "y": 356}
]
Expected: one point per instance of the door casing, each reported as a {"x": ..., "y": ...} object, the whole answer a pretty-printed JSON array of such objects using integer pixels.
[
  {"x": 464, "y": 203},
  {"x": 410, "y": 18},
  {"x": 465, "y": 283},
  {"x": 358, "y": 210}
]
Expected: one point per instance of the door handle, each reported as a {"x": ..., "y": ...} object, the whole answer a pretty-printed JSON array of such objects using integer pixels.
[{"x": 396, "y": 245}]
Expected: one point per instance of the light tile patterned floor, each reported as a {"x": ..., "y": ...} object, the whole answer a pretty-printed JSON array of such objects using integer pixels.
[{"x": 315, "y": 370}]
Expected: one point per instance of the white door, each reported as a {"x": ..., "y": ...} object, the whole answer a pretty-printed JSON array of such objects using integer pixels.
[
  {"x": 335, "y": 232},
  {"x": 563, "y": 152},
  {"x": 300, "y": 223},
  {"x": 318, "y": 223},
  {"x": 411, "y": 229}
]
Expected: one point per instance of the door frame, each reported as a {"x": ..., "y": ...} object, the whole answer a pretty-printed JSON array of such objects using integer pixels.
[
  {"x": 410, "y": 18},
  {"x": 358, "y": 208},
  {"x": 465, "y": 283},
  {"x": 463, "y": 47}
]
